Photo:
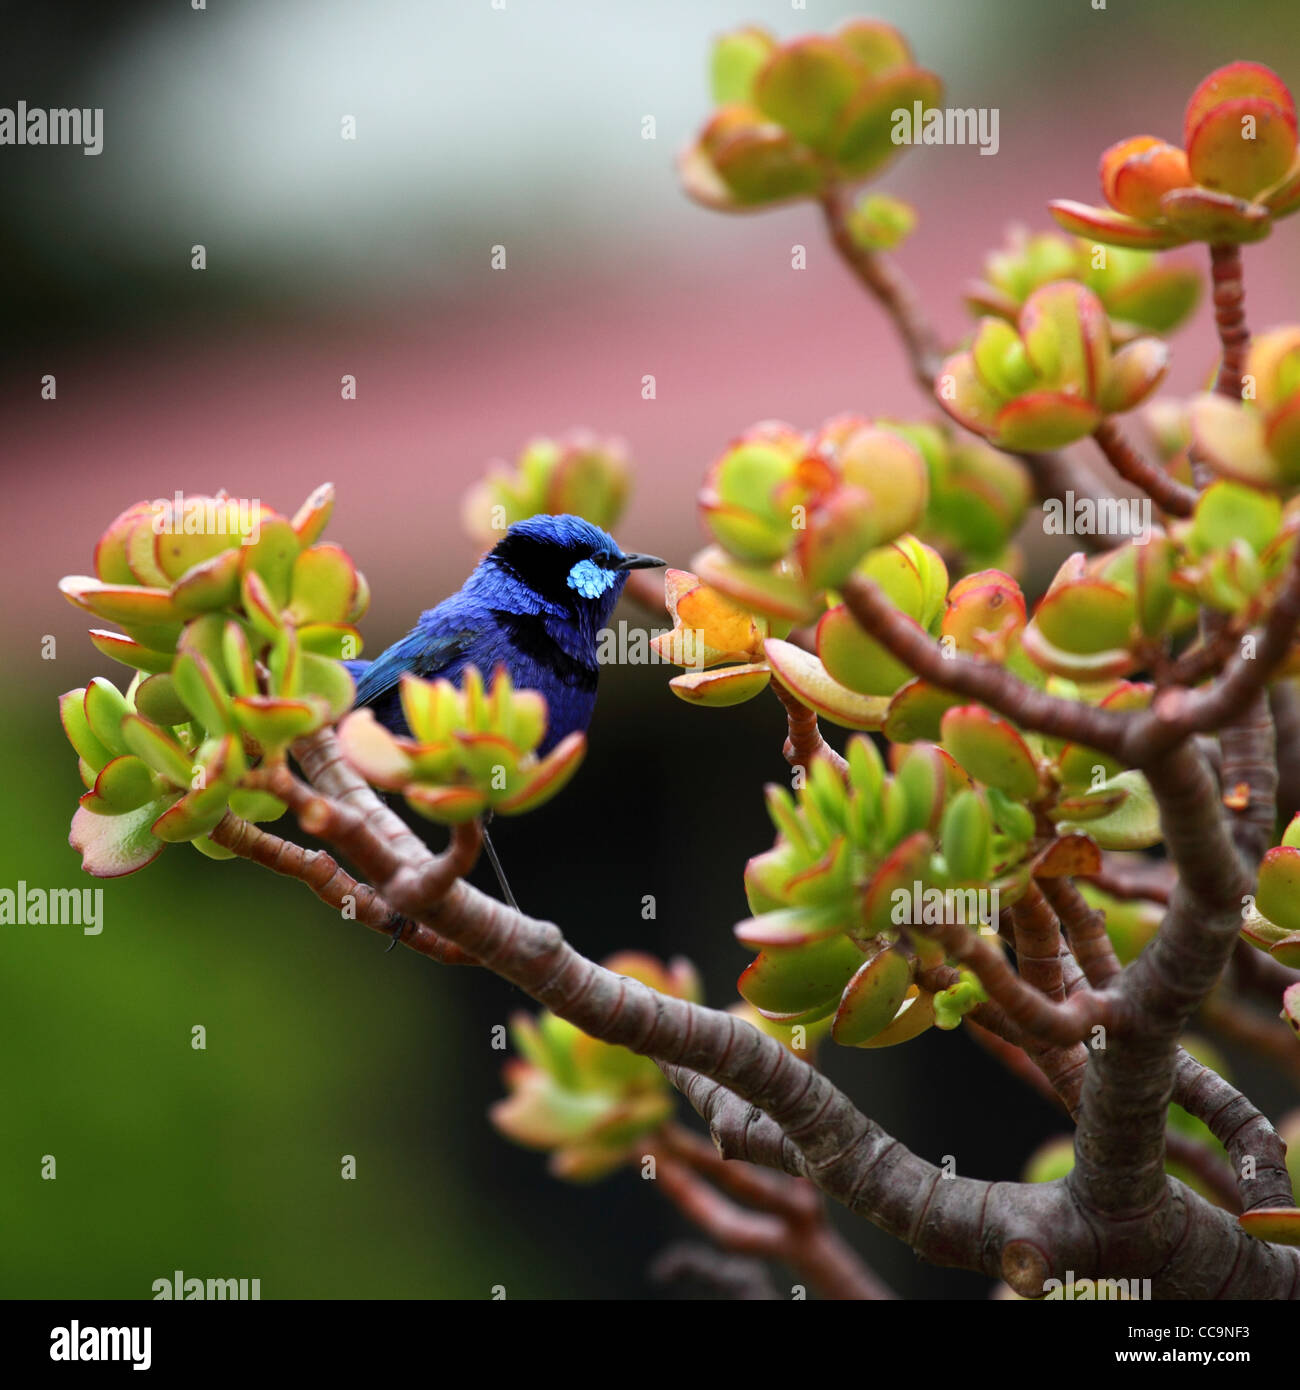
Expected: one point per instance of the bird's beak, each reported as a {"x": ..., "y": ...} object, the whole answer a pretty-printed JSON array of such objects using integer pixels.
[{"x": 639, "y": 562}]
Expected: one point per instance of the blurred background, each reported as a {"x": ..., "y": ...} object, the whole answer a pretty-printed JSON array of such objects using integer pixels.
[{"x": 475, "y": 127}]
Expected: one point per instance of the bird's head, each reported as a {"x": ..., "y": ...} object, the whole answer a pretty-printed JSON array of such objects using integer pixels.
[{"x": 571, "y": 565}]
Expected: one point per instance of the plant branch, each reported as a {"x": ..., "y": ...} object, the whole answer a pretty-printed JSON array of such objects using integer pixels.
[
  {"x": 1229, "y": 316},
  {"x": 984, "y": 681},
  {"x": 1166, "y": 492},
  {"x": 890, "y": 289},
  {"x": 1054, "y": 474},
  {"x": 1024, "y": 1233},
  {"x": 332, "y": 884},
  {"x": 1120, "y": 1142},
  {"x": 1255, "y": 1149},
  {"x": 805, "y": 741},
  {"x": 1085, "y": 929}
]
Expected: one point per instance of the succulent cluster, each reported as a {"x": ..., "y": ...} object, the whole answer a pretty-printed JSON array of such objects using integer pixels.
[
  {"x": 795, "y": 118},
  {"x": 978, "y": 496},
  {"x": 793, "y": 514},
  {"x": 1238, "y": 170},
  {"x": 586, "y": 1102},
  {"x": 1141, "y": 291},
  {"x": 1257, "y": 440},
  {"x": 577, "y": 473},
  {"x": 234, "y": 618},
  {"x": 1052, "y": 378},
  {"x": 471, "y": 749},
  {"x": 860, "y": 865},
  {"x": 880, "y": 222}
]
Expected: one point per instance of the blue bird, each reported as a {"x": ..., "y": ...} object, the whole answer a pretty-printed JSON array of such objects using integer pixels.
[{"x": 536, "y": 603}]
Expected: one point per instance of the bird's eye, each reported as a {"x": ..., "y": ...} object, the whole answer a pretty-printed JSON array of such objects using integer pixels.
[{"x": 590, "y": 578}]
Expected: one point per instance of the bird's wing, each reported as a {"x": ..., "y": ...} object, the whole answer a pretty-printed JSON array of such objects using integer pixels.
[{"x": 420, "y": 652}]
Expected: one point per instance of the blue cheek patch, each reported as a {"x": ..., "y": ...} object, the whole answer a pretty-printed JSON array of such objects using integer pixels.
[{"x": 590, "y": 579}]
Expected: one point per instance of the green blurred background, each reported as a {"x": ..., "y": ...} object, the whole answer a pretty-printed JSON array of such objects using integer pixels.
[{"x": 476, "y": 127}]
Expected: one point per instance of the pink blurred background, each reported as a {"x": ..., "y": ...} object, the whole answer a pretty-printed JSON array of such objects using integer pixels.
[{"x": 231, "y": 377}]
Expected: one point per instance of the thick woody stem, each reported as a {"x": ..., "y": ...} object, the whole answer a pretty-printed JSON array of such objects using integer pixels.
[
  {"x": 1250, "y": 777},
  {"x": 1167, "y": 493},
  {"x": 1191, "y": 1230},
  {"x": 1025, "y": 1233},
  {"x": 322, "y": 763},
  {"x": 1205, "y": 658},
  {"x": 805, "y": 741},
  {"x": 1206, "y": 1165},
  {"x": 1119, "y": 1146},
  {"x": 1243, "y": 717}
]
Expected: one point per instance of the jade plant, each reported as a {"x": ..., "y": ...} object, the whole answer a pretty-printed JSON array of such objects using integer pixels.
[{"x": 1054, "y": 821}]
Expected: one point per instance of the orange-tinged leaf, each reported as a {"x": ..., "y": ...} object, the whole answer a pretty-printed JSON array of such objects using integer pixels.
[
  {"x": 1067, "y": 856},
  {"x": 915, "y": 1014},
  {"x": 447, "y": 805},
  {"x": 805, "y": 676},
  {"x": 312, "y": 517},
  {"x": 1113, "y": 228},
  {"x": 1277, "y": 1225},
  {"x": 729, "y": 685}
]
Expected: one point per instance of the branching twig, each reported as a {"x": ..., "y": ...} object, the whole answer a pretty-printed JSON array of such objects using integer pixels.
[
  {"x": 335, "y": 887},
  {"x": 1166, "y": 492},
  {"x": 891, "y": 290},
  {"x": 1229, "y": 316},
  {"x": 805, "y": 741}
]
